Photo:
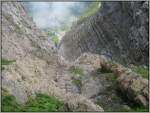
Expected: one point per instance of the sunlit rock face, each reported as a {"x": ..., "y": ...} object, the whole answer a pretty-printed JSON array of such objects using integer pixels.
[
  {"x": 23, "y": 42},
  {"x": 119, "y": 30},
  {"x": 36, "y": 68}
]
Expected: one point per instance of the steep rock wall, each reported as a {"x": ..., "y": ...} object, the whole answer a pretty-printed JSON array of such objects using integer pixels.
[
  {"x": 119, "y": 30},
  {"x": 29, "y": 47},
  {"x": 36, "y": 66}
]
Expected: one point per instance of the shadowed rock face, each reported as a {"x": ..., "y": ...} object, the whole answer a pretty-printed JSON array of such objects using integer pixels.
[{"x": 119, "y": 30}]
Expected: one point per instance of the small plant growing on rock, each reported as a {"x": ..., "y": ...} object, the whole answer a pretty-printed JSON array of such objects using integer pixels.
[
  {"x": 76, "y": 70},
  {"x": 77, "y": 82},
  {"x": 5, "y": 62},
  {"x": 144, "y": 72}
]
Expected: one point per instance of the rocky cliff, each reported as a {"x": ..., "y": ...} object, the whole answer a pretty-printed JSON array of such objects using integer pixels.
[
  {"x": 119, "y": 30},
  {"x": 33, "y": 62}
]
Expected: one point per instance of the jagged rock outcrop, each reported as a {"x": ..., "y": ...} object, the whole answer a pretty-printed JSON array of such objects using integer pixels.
[
  {"x": 130, "y": 83},
  {"x": 119, "y": 30},
  {"x": 36, "y": 63}
]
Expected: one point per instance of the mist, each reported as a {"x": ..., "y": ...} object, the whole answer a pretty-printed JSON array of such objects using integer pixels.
[{"x": 55, "y": 14}]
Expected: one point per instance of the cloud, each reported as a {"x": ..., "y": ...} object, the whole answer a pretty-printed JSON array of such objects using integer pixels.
[{"x": 54, "y": 14}]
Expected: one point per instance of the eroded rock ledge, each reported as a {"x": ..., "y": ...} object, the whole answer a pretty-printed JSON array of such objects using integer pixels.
[{"x": 131, "y": 84}]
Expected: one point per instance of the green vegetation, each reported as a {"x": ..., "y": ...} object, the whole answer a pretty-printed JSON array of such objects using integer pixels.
[
  {"x": 44, "y": 103},
  {"x": 77, "y": 82},
  {"x": 91, "y": 10},
  {"x": 139, "y": 109},
  {"x": 9, "y": 103},
  {"x": 76, "y": 70},
  {"x": 6, "y": 62},
  {"x": 53, "y": 37},
  {"x": 144, "y": 72},
  {"x": 41, "y": 103},
  {"x": 111, "y": 78},
  {"x": 77, "y": 79}
]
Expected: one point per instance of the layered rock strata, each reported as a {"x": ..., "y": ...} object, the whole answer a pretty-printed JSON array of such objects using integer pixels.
[{"x": 119, "y": 30}]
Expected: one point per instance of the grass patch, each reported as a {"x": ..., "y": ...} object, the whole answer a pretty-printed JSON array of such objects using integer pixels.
[
  {"x": 91, "y": 10},
  {"x": 44, "y": 103},
  {"x": 77, "y": 82},
  {"x": 76, "y": 70},
  {"x": 144, "y": 72},
  {"x": 6, "y": 62},
  {"x": 140, "y": 109},
  {"x": 41, "y": 103},
  {"x": 110, "y": 77},
  {"x": 9, "y": 104},
  {"x": 53, "y": 37}
]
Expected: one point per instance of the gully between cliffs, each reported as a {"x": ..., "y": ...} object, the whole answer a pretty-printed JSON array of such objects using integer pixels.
[{"x": 119, "y": 30}]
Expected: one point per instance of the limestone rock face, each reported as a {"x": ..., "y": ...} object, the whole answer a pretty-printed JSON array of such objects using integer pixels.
[
  {"x": 119, "y": 30},
  {"x": 36, "y": 64},
  {"x": 28, "y": 46}
]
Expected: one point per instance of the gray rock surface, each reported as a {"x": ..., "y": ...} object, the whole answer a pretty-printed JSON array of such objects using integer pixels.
[
  {"x": 119, "y": 30},
  {"x": 132, "y": 85},
  {"x": 36, "y": 65}
]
